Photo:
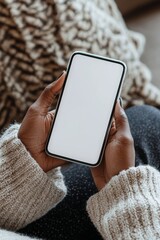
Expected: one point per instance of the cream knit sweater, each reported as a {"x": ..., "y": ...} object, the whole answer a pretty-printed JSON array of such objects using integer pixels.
[
  {"x": 128, "y": 207},
  {"x": 26, "y": 192}
]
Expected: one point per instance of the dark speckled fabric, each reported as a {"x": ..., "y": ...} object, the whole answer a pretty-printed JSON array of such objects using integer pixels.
[
  {"x": 145, "y": 127},
  {"x": 69, "y": 219}
]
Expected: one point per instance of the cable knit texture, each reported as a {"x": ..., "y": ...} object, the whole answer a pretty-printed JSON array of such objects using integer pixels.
[
  {"x": 128, "y": 207},
  {"x": 26, "y": 191},
  {"x": 37, "y": 38}
]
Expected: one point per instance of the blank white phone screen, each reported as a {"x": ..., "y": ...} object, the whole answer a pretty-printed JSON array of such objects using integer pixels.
[{"x": 85, "y": 109}]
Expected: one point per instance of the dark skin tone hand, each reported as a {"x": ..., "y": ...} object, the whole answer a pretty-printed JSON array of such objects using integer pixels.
[
  {"x": 119, "y": 154},
  {"x": 36, "y": 125}
]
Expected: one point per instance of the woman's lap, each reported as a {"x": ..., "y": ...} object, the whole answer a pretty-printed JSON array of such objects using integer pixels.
[
  {"x": 69, "y": 219},
  {"x": 145, "y": 127}
]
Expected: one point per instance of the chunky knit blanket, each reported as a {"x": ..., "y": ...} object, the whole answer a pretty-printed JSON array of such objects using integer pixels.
[{"x": 37, "y": 38}]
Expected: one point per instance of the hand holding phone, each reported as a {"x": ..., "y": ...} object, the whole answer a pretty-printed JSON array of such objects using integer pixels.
[
  {"x": 84, "y": 112},
  {"x": 119, "y": 153},
  {"x": 36, "y": 124}
]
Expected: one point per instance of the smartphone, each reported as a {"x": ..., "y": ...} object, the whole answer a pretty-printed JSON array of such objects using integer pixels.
[{"x": 85, "y": 108}]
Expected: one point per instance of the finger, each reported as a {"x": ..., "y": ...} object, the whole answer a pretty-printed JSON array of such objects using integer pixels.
[
  {"x": 113, "y": 123},
  {"x": 47, "y": 97},
  {"x": 121, "y": 102},
  {"x": 121, "y": 120},
  {"x": 52, "y": 112},
  {"x": 51, "y": 115},
  {"x": 112, "y": 129}
]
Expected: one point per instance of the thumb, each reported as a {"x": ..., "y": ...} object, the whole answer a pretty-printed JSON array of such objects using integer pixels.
[
  {"x": 48, "y": 95},
  {"x": 121, "y": 120}
]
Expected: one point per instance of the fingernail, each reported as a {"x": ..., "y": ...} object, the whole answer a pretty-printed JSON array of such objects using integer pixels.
[
  {"x": 121, "y": 102},
  {"x": 60, "y": 75}
]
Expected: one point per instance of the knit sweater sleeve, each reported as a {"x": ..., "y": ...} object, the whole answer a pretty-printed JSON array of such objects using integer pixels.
[
  {"x": 26, "y": 191},
  {"x": 8, "y": 235},
  {"x": 128, "y": 207}
]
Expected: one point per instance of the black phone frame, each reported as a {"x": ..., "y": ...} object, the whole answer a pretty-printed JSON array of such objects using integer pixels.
[{"x": 110, "y": 120}]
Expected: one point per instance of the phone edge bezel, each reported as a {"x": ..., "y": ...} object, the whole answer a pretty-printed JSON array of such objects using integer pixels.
[{"x": 110, "y": 120}]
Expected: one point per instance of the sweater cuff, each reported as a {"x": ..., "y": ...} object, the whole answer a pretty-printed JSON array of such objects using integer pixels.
[
  {"x": 7, "y": 235},
  {"x": 124, "y": 201},
  {"x": 27, "y": 192}
]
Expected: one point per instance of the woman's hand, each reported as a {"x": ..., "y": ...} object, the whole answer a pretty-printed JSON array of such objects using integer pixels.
[
  {"x": 36, "y": 125},
  {"x": 119, "y": 154}
]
